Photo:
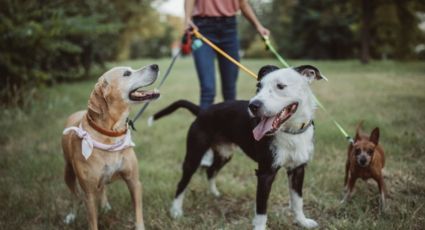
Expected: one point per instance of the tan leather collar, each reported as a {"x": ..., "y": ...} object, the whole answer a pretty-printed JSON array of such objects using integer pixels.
[{"x": 103, "y": 131}]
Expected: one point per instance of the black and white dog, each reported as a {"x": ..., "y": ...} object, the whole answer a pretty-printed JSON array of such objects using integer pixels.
[{"x": 274, "y": 129}]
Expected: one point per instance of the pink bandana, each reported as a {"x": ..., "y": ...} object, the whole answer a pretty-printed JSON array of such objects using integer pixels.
[{"x": 88, "y": 143}]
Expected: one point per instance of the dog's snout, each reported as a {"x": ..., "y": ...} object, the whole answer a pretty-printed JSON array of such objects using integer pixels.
[
  {"x": 362, "y": 161},
  {"x": 254, "y": 106},
  {"x": 154, "y": 67}
]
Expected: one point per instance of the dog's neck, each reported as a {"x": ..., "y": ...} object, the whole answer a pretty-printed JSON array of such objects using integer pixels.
[{"x": 110, "y": 121}]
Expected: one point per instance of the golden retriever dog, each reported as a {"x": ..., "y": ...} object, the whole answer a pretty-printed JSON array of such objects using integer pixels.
[{"x": 97, "y": 145}]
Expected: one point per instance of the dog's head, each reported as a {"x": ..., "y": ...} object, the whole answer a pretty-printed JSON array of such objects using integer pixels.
[
  {"x": 364, "y": 148},
  {"x": 283, "y": 96},
  {"x": 123, "y": 86}
]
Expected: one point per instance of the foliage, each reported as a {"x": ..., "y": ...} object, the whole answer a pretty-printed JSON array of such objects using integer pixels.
[
  {"x": 48, "y": 41},
  {"x": 332, "y": 29}
]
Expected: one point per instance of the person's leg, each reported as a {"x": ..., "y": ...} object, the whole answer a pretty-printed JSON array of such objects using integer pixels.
[
  {"x": 204, "y": 62},
  {"x": 229, "y": 71}
]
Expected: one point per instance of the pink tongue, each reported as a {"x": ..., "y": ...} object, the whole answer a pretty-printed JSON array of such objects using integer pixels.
[{"x": 262, "y": 128}]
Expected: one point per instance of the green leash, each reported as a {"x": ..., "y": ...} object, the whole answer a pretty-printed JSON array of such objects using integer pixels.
[{"x": 285, "y": 64}]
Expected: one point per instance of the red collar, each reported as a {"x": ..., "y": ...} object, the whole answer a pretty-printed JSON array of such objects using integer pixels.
[{"x": 103, "y": 131}]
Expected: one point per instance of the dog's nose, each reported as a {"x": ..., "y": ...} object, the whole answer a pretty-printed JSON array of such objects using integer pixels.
[
  {"x": 254, "y": 106},
  {"x": 362, "y": 161},
  {"x": 154, "y": 67}
]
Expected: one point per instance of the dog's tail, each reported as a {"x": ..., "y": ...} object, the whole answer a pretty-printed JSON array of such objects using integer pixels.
[{"x": 194, "y": 109}]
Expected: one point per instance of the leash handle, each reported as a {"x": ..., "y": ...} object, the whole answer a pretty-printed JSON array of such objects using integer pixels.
[{"x": 216, "y": 48}]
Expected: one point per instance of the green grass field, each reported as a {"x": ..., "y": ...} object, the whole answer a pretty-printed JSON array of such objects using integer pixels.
[{"x": 390, "y": 95}]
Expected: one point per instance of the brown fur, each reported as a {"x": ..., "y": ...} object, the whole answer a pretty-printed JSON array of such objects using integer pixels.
[
  {"x": 365, "y": 150},
  {"x": 87, "y": 179}
]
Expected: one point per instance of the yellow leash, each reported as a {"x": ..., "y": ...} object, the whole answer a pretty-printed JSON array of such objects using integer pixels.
[{"x": 242, "y": 67}]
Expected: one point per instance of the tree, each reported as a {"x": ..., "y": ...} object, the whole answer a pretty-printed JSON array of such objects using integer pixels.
[{"x": 44, "y": 42}]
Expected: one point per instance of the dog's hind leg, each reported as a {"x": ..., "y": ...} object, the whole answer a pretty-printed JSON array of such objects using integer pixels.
[
  {"x": 220, "y": 159},
  {"x": 104, "y": 203},
  {"x": 71, "y": 182},
  {"x": 296, "y": 180},
  {"x": 196, "y": 147}
]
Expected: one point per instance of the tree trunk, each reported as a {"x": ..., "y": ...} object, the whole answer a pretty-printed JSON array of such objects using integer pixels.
[{"x": 367, "y": 14}]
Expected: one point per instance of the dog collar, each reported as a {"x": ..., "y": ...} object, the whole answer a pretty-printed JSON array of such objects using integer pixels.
[
  {"x": 303, "y": 128},
  {"x": 103, "y": 131},
  {"x": 88, "y": 143}
]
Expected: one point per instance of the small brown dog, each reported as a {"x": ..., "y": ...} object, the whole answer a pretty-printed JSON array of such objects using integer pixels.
[
  {"x": 365, "y": 160},
  {"x": 97, "y": 144}
]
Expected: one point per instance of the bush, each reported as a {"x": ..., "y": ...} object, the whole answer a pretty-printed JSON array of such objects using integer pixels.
[{"x": 43, "y": 42}]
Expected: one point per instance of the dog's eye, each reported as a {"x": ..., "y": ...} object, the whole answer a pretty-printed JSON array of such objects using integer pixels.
[
  {"x": 370, "y": 152},
  {"x": 127, "y": 73},
  {"x": 258, "y": 86},
  {"x": 357, "y": 151},
  {"x": 280, "y": 86}
]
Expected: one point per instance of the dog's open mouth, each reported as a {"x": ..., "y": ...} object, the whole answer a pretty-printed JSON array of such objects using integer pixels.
[
  {"x": 143, "y": 95},
  {"x": 269, "y": 125}
]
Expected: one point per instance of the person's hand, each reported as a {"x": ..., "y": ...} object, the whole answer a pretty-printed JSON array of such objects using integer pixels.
[
  {"x": 264, "y": 32},
  {"x": 188, "y": 24}
]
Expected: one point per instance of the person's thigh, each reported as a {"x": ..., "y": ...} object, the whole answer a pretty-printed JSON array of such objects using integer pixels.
[{"x": 228, "y": 71}]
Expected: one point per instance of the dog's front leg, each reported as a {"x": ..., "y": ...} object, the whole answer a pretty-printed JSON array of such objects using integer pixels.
[
  {"x": 296, "y": 180},
  {"x": 264, "y": 184},
  {"x": 90, "y": 203},
  {"x": 382, "y": 191},
  {"x": 135, "y": 188}
]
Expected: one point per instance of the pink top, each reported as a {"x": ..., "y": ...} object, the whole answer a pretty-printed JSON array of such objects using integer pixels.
[{"x": 216, "y": 8}]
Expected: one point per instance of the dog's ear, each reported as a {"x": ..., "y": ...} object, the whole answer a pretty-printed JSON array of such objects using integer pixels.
[
  {"x": 310, "y": 72},
  {"x": 266, "y": 70},
  {"x": 374, "y": 136},
  {"x": 97, "y": 102}
]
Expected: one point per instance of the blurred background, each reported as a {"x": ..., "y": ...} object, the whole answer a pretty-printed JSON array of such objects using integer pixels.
[
  {"x": 46, "y": 42},
  {"x": 53, "y": 51}
]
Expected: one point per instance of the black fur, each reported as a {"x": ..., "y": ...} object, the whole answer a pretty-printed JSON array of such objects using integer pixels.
[
  {"x": 227, "y": 122},
  {"x": 266, "y": 70}
]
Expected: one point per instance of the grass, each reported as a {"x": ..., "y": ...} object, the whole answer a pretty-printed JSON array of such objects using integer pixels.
[{"x": 386, "y": 94}]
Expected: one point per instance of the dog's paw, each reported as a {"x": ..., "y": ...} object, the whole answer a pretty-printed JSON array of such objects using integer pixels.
[
  {"x": 140, "y": 227},
  {"x": 260, "y": 227},
  {"x": 106, "y": 207},
  {"x": 176, "y": 212},
  {"x": 213, "y": 188},
  {"x": 307, "y": 223},
  {"x": 70, "y": 218},
  {"x": 259, "y": 222},
  {"x": 215, "y": 193}
]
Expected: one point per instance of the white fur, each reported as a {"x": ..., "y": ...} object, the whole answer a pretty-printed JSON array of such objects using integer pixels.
[
  {"x": 259, "y": 222},
  {"x": 297, "y": 209},
  {"x": 293, "y": 150},
  {"x": 225, "y": 150},
  {"x": 213, "y": 187},
  {"x": 290, "y": 150},
  {"x": 70, "y": 218},
  {"x": 176, "y": 210},
  {"x": 208, "y": 158}
]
